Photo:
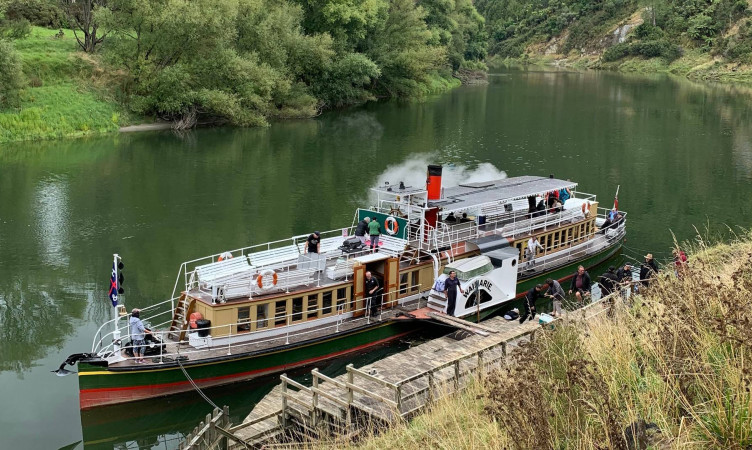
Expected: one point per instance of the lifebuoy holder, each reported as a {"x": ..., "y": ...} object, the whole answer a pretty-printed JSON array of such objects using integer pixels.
[
  {"x": 391, "y": 225},
  {"x": 267, "y": 279}
]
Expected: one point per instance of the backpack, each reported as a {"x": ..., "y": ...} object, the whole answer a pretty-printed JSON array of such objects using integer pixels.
[{"x": 439, "y": 284}]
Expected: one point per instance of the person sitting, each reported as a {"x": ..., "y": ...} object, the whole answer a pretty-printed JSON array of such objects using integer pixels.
[
  {"x": 450, "y": 218},
  {"x": 464, "y": 218},
  {"x": 580, "y": 284}
]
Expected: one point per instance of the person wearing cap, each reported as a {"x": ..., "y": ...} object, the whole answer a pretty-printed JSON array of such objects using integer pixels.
[
  {"x": 138, "y": 335},
  {"x": 580, "y": 284},
  {"x": 648, "y": 270},
  {"x": 530, "y": 298},
  {"x": 362, "y": 229},
  {"x": 313, "y": 243}
]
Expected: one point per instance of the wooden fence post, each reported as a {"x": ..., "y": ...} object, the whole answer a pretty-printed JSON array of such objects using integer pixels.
[
  {"x": 480, "y": 365},
  {"x": 398, "y": 398},
  {"x": 350, "y": 381},
  {"x": 457, "y": 374},
  {"x": 284, "y": 400},
  {"x": 430, "y": 387},
  {"x": 315, "y": 398}
]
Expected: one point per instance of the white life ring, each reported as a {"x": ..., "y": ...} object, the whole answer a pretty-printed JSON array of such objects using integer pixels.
[
  {"x": 391, "y": 225},
  {"x": 267, "y": 279},
  {"x": 224, "y": 256}
]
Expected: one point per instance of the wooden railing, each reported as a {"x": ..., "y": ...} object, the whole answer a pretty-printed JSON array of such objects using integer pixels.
[{"x": 212, "y": 433}]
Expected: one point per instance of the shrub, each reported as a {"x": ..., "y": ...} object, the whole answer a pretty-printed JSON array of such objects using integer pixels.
[
  {"x": 43, "y": 13},
  {"x": 647, "y": 49},
  {"x": 11, "y": 77}
]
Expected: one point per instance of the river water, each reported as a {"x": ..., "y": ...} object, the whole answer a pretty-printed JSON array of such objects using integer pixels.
[{"x": 681, "y": 152}]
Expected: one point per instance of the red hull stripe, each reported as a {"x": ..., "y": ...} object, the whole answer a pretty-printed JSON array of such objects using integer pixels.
[{"x": 244, "y": 374}]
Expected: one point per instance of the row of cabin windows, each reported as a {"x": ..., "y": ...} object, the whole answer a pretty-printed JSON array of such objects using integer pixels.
[
  {"x": 559, "y": 239},
  {"x": 293, "y": 310},
  {"x": 409, "y": 283}
]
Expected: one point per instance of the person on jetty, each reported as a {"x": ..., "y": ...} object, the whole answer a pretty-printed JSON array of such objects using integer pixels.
[
  {"x": 609, "y": 281},
  {"x": 362, "y": 229},
  {"x": 374, "y": 230},
  {"x": 372, "y": 288},
  {"x": 624, "y": 275},
  {"x": 556, "y": 293},
  {"x": 451, "y": 285},
  {"x": 680, "y": 262},
  {"x": 580, "y": 284},
  {"x": 530, "y": 298},
  {"x": 313, "y": 243},
  {"x": 532, "y": 247},
  {"x": 138, "y": 335},
  {"x": 648, "y": 270}
]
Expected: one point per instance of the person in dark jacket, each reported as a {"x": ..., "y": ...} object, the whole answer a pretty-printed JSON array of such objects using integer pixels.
[
  {"x": 362, "y": 229},
  {"x": 372, "y": 293},
  {"x": 580, "y": 284},
  {"x": 451, "y": 285},
  {"x": 609, "y": 281},
  {"x": 530, "y": 298},
  {"x": 624, "y": 275},
  {"x": 648, "y": 270}
]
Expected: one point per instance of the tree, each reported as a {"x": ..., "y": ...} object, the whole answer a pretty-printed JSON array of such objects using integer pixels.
[{"x": 81, "y": 15}]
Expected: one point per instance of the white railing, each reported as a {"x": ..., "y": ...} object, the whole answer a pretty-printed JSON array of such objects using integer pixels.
[
  {"x": 291, "y": 329},
  {"x": 99, "y": 339},
  {"x": 298, "y": 241}
]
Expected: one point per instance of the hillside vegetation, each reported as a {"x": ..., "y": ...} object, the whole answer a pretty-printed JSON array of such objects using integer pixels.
[
  {"x": 670, "y": 371},
  {"x": 709, "y": 39},
  {"x": 240, "y": 62}
]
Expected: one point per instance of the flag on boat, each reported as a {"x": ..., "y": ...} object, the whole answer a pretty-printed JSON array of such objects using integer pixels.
[
  {"x": 113, "y": 294},
  {"x": 616, "y": 198}
]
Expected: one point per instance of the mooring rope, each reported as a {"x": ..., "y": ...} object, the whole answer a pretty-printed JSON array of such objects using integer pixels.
[{"x": 195, "y": 386}]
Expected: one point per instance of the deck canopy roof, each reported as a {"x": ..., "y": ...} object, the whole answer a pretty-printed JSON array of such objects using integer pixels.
[{"x": 473, "y": 195}]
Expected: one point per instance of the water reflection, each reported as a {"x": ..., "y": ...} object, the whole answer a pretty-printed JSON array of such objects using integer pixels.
[{"x": 680, "y": 151}]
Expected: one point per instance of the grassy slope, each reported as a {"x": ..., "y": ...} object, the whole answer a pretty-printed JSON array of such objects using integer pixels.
[
  {"x": 679, "y": 359},
  {"x": 61, "y": 98}
]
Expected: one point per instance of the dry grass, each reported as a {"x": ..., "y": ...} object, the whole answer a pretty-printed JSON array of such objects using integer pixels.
[{"x": 671, "y": 371}]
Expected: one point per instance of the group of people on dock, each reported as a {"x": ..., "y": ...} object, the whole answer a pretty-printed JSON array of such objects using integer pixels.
[{"x": 581, "y": 285}]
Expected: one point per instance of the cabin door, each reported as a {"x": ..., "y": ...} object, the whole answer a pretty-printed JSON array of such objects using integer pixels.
[
  {"x": 391, "y": 277},
  {"x": 359, "y": 287}
]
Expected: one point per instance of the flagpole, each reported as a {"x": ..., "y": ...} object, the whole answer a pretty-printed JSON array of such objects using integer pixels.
[{"x": 616, "y": 198}]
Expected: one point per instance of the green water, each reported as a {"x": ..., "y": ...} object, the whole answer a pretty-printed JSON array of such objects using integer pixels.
[{"x": 681, "y": 152}]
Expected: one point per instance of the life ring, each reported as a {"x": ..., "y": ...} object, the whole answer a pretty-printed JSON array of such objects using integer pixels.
[
  {"x": 224, "y": 256},
  {"x": 265, "y": 276},
  {"x": 391, "y": 225},
  {"x": 586, "y": 209}
]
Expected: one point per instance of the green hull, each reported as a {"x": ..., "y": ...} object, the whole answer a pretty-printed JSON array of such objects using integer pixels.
[{"x": 100, "y": 385}]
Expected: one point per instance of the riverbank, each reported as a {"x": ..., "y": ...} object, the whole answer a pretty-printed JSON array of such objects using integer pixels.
[{"x": 671, "y": 371}]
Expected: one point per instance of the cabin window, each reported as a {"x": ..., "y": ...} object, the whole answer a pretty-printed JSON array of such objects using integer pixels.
[
  {"x": 473, "y": 298},
  {"x": 557, "y": 239},
  {"x": 326, "y": 304},
  {"x": 404, "y": 283},
  {"x": 244, "y": 318},
  {"x": 342, "y": 296},
  {"x": 297, "y": 309},
  {"x": 519, "y": 248},
  {"x": 313, "y": 306},
  {"x": 543, "y": 241},
  {"x": 415, "y": 283},
  {"x": 262, "y": 314},
  {"x": 280, "y": 313}
]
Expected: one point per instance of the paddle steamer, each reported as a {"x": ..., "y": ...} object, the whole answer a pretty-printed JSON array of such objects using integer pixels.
[{"x": 271, "y": 307}]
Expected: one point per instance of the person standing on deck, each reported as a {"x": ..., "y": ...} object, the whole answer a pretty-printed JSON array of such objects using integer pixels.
[
  {"x": 580, "y": 284},
  {"x": 138, "y": 335},
  {"x": 362, "y": 229},
  {"x": 530, "y": 298},
  {"x": 313, "y": 243},
  {"x": 565, "y": 194},
  {"x": 374, "y": 230},
  {"x": 532, "y": 247},
  {"x": 372, "y": 287},
  {"x": 556, "y": 293},
  {"x": 451, "y": 285}
]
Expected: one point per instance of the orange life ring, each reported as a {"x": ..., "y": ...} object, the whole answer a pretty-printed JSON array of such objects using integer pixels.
[
  {"x": 224, "y": 256},
  {"x": 265, "y": 274},
  {"x": 391, "y": 225},
  {"x": 586, "y": 208}
]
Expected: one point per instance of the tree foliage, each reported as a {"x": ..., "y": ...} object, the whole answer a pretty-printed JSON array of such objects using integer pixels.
[
  {"x": 11, "y": 77},
  {"x": 248, "y": 61}
]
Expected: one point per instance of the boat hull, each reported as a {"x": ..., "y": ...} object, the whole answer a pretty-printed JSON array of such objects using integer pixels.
[{"x": 99, "y": 386}]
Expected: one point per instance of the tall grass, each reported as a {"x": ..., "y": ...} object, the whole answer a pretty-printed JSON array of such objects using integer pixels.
[
  {"x": 670, "y": 370},
  {"x": 62, "y": 97}
]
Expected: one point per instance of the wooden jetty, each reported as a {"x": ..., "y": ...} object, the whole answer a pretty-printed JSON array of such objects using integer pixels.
[{"x": 389, "y": 390}]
